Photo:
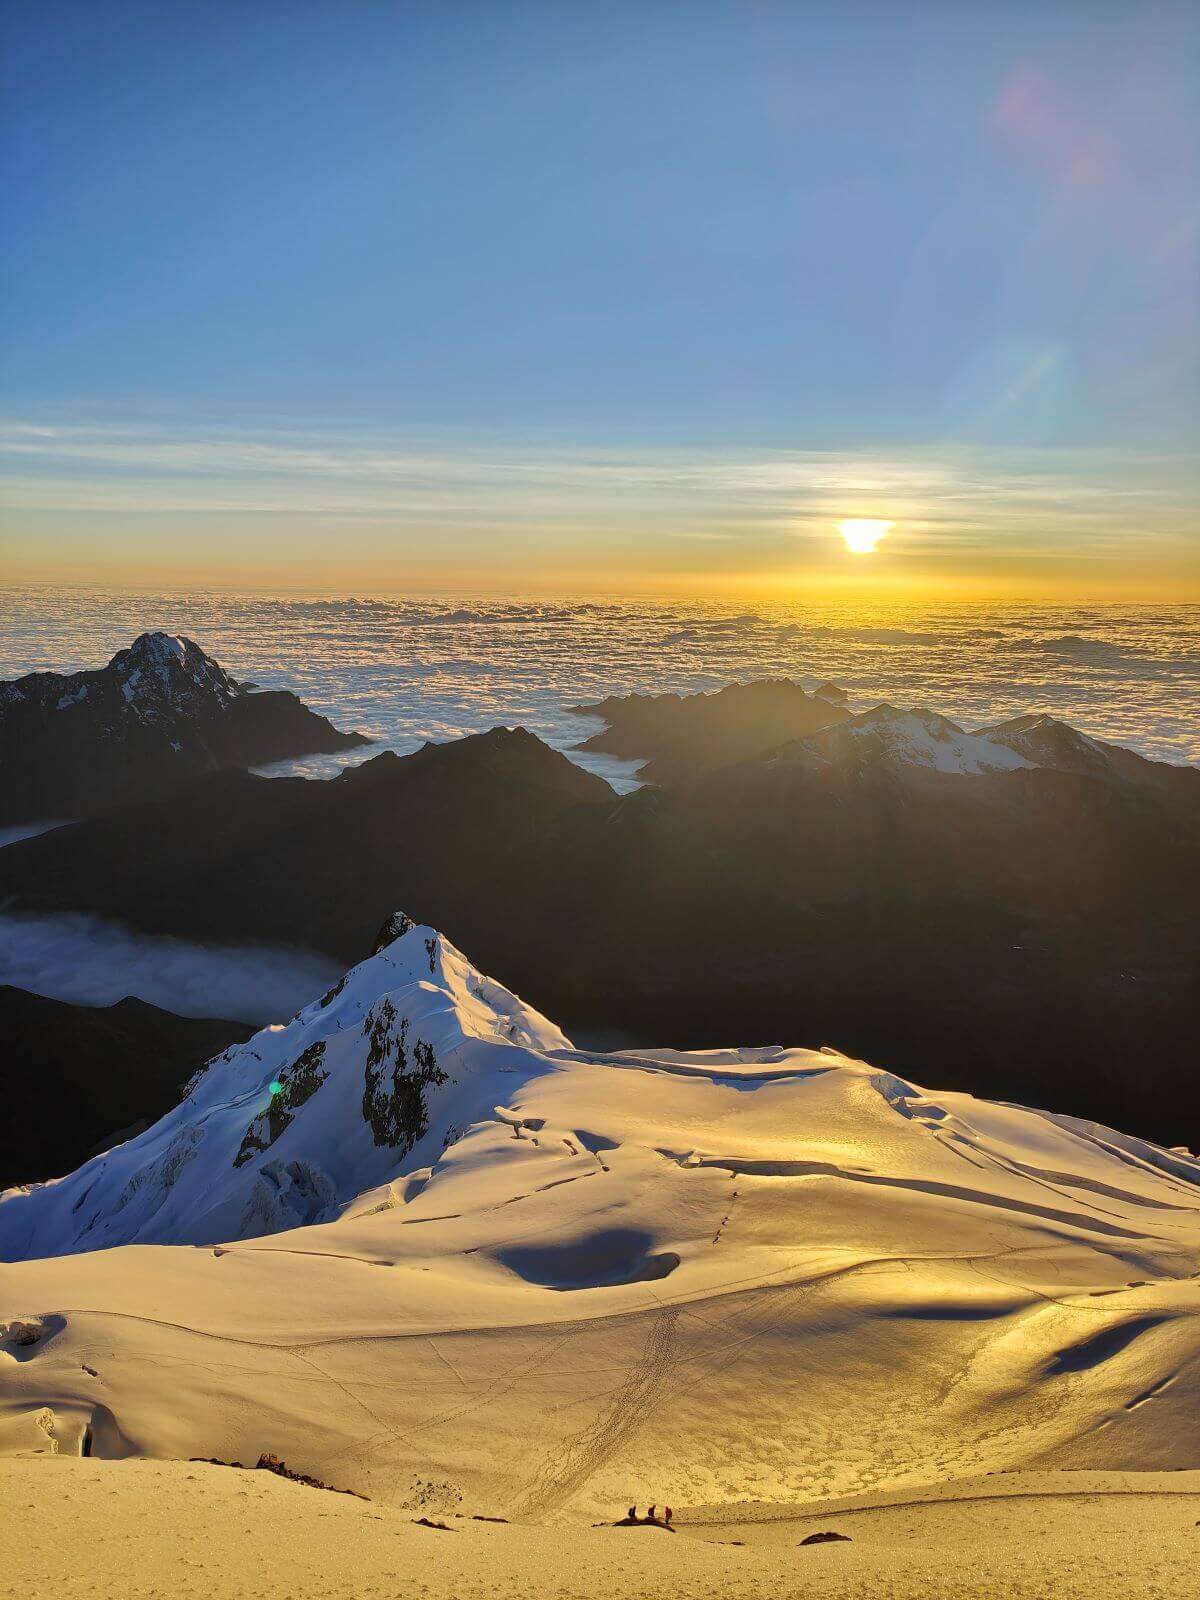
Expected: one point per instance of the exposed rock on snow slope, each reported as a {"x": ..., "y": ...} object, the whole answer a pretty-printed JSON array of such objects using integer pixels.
[
  {"x": 535, "y": 1276},
  {"x": 159, "y": 713}
]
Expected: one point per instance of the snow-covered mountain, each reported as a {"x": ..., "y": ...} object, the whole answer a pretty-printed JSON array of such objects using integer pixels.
[
  {"x": 421, "y": 1246},
  {"x": 680, "y": 737},
  {"x": 160, "y": 712},
  {"x": 395, "y": 1065},
  {"x": 1044, "y": 741},
  {"x": 286, "y": 1129},
  {"x": 906, "y": 738},
  {"x": 162, "y": 676}
]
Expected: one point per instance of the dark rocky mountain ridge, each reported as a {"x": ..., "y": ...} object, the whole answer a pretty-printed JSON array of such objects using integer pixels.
[
  {"x": 161, "y": 713},
  {"x": 77, "y": 1077},
  {"x": 317, "y": 863},
  {"x": 1030, "y": 931},
  {"x": 679, "y": 736}
]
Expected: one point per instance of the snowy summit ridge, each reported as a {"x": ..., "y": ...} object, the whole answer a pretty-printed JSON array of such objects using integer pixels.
[
  {"x": 406, "y": 1056},
  {"x": 285, "y": 1129}
]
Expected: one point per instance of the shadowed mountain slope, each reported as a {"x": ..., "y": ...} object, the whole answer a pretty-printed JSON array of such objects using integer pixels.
[
  {"x": 678, "y": 736},
  {"x": 318, "y": 863},
  {"x": 76, "y": 1075},
  {"x": 898, "y": 887}
]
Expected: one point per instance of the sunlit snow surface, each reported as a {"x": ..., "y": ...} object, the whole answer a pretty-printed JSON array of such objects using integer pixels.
[
  {"x": 407, "y": 670},
  {"x": 460, "y": 1258}
]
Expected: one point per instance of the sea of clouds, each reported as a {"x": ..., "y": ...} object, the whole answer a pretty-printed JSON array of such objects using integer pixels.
[
  {"x": 407, "y": 670},
  {"x": 90, "y": 962},
  {"x": 404, "y": 671}
]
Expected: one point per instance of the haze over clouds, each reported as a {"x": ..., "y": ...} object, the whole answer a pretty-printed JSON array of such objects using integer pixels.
[{"x": 93, "y": 963}]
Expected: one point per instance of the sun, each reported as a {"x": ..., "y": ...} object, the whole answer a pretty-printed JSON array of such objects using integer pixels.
[{"x": 862, "y": 534}]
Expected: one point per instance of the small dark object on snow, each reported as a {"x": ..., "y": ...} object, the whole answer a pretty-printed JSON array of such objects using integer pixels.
[
  {"x": 269, "y": 1463},
  {"x": 827, "y": 1538}
]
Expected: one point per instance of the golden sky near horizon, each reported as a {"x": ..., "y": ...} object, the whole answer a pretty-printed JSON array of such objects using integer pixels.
[{"x": 325, "y": 510}]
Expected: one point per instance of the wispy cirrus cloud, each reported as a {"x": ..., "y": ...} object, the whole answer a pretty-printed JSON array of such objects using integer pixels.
[{"x": 951, "y": 497}]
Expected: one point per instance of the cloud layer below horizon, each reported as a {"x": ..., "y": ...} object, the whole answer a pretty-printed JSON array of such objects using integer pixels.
[{"x": 90, "y": 962}]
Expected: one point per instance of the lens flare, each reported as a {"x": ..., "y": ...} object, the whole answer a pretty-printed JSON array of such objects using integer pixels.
[{"x": 862, "y": 534}]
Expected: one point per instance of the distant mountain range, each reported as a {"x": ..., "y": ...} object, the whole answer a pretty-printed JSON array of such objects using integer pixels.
[
  {"x": 160, "y": 713},
  {"x": 1011, "y": 911},
  {"x": 675, "y": 736},
  {"x": 679, "y": 737}
]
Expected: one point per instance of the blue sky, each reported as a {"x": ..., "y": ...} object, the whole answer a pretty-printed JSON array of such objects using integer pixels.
[{"x": 945, "y": 238}]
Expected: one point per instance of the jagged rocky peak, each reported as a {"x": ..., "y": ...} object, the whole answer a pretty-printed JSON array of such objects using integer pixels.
[
  {"x": 157, "y": 663},
  {"x": 161, "y": 712}
]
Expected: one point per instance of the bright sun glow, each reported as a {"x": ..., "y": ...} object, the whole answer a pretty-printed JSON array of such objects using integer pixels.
[{"x": 862, "y": 534}]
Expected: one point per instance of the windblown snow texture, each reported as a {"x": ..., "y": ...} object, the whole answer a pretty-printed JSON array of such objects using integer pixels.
[{"x": 449, "y": 1253}]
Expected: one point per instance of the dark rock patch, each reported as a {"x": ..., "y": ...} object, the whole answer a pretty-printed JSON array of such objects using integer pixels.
[
  {"x": 394, "y": 927},
  {"x": 271, "y": 1463},
  {"x": 297, "y": 1083},
  {"x": 394, "y": 1082}
]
